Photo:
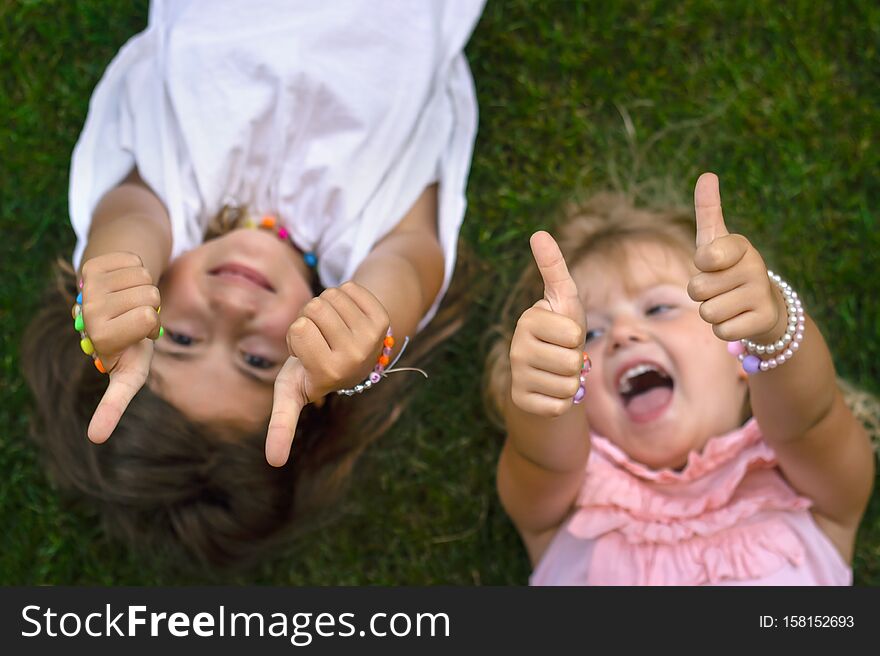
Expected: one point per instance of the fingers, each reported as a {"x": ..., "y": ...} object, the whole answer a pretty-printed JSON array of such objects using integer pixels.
[
  {"x": 549, "y": 384},
  {"x": 288, "y": 402},
  {"x": 541, "y": 404},
  {"x": 368, "y": 303},
  {"x": 334, "y": 332},
  {"x": 117, "y": 334},
  {"x": 707, "y": 204},
  {"x": 704, "y": 286},
  {"x": 560, "y": 289},
  {"x": 347, "y": 314},
  {"x": 110, "y": 262},
  {"x": 126, "y": 380},
  {"x": 118, "y": 303},
  {"x": 117, "y": 280},
  {"x": 550, "y": 327},
  {"x": 306, "y": 342},
  {"x": 550, "y": 358},
  {"x": 726, "y": 306}
]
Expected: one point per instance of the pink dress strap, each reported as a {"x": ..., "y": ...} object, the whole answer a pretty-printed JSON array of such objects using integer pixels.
[{"x": 728, "y": 517}]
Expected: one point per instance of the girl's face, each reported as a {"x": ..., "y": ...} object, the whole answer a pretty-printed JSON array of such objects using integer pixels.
[
  {"x": 226, "y": 308},
  {"x": 662, "y": 383}
]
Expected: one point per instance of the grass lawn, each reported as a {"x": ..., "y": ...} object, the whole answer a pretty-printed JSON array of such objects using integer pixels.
[{"x": 780, "y": 99}]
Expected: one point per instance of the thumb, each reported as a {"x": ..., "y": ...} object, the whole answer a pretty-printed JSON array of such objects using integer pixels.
[
  {"x": 560, "y": 290},
  {"x": 707, "y": 205},
  {"x": 126, "y": 379},
  {"x": 289, "y": 400}
]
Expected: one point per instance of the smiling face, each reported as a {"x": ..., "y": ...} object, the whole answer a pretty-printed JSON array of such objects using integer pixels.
[
  {"x": 226, "y": 309},
  {"x": 662, "y": 383}
]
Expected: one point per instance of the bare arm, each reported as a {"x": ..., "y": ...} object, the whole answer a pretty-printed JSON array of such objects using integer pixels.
[
  {"x": 405, "y": 270},
  {"x": 823, "y": 451},
  {"x": 128, "y": 248},
  {"x": 131, "y": 218},
  {"x": 542, "y": 464}
]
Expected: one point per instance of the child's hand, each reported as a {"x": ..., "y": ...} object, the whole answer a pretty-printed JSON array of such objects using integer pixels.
[
  {"x": 546, "y": 351},
  {"x": 334, "y": 345},
  {"x": 737, "y": 297},
  {"x": 119, "y": 309}
]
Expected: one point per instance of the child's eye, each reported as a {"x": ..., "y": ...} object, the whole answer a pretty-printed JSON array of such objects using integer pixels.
[
  {"x": 659, "y": 308},
  {"x": 178, "y": 338},
  {"x": 257, "y": 361},
  {"x": 593, "y": 334}
]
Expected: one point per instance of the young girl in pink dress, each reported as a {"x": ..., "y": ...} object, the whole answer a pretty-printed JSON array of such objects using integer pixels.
[{"x": 673, "y": 415}]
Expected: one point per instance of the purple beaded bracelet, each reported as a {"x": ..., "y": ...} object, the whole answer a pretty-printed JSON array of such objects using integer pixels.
[{"x": 782, "y": 350}]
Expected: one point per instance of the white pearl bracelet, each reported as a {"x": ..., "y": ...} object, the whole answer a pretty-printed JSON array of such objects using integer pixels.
[{"x": 785, "y": 347}]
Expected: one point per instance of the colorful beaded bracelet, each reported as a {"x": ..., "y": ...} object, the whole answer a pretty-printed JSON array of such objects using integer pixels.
[
  {"x": 582, "y": 389},
  {"x": 782, "y": 350},
  {"x": 79, "y": 325},
  {"x": 382, "y": 368}
]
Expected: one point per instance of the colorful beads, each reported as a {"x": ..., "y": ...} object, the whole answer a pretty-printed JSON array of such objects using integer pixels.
[
  {"x": 586, "y": 366},
  {"x": 751, "y": 364},
  {"x": 310, "y": 259},
  {"x": 100, "y": 365},
  {"x": 86, "y": 345},
  {"x": 283, "y": 234},
  {"x": 268, "y": 221},
  {"x": 379, "y": 369},
  {"x": 78, "y": 323},
  {"x": 736, "y": 348}
]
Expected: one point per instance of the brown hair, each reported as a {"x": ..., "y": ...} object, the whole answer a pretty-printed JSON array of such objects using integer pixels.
[
  {"x": 170, "y": 486},
  {"x": 600, "y": 226}
]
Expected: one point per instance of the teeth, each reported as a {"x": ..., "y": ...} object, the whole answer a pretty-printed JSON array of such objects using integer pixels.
[{"x": 632, "y": 372}]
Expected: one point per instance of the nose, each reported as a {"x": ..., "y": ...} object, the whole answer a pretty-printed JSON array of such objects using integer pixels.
[
  {"x": 233, "y": 303},
  {"x": 625, "y": 331}
]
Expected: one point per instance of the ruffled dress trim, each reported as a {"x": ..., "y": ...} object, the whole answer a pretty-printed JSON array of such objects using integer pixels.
[{"x": 722, "y": 517}]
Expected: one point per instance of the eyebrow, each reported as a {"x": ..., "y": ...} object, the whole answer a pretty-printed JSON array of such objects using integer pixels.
[{"x": 180, "y": 355}]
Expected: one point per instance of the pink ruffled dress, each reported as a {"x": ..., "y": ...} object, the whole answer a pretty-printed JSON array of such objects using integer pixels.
[{"x": 727, "y": 518}]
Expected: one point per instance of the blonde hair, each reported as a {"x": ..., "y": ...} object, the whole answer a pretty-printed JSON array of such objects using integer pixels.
[{"x": 602, "y": 226}]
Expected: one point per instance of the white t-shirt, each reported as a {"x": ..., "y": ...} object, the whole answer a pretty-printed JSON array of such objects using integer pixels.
[{"x": 333, "y": 116}]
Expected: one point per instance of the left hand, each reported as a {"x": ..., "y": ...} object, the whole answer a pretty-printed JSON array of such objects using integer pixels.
[
  {"x": 736, "y": 295},
  {"x": 333, "y": 345}
]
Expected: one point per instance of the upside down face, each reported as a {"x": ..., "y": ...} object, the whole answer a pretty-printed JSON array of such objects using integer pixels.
[{"x": 662, "y": 383}]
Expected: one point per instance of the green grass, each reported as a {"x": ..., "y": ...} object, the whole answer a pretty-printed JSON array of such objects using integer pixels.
[{"x": 779, "y": 99}]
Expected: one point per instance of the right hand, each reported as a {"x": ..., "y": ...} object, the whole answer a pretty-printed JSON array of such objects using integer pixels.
[
  {"x": 120, "y": 313},
  {"x": 546, "y": 353},
  {"x": 334, "y": 344}
]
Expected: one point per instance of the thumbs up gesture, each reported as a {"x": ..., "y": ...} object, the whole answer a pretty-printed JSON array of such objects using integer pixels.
[
  {"x": 546, "y": 351},
  {"x": 733, "y": 289},
  {"x": 334, "y": 344}
]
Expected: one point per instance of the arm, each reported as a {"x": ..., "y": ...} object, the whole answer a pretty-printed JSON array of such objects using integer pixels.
[
  {"x": 404, "y": 271},
  {"x": 128, "y": 249},
  {"x": 334, "y": 344},
  {"x": 823, "y": 451},
  {"x": 131, "y": 218},
  {"x": 542, "y": 464}
]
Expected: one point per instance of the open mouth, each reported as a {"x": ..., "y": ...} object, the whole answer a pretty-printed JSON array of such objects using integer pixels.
[
  {"x": 646, "y": 390},
  {"x": 242, "y": 272}
]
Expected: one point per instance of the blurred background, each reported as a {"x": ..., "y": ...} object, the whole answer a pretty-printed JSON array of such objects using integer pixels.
[{"x": 779, "y": 99}]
